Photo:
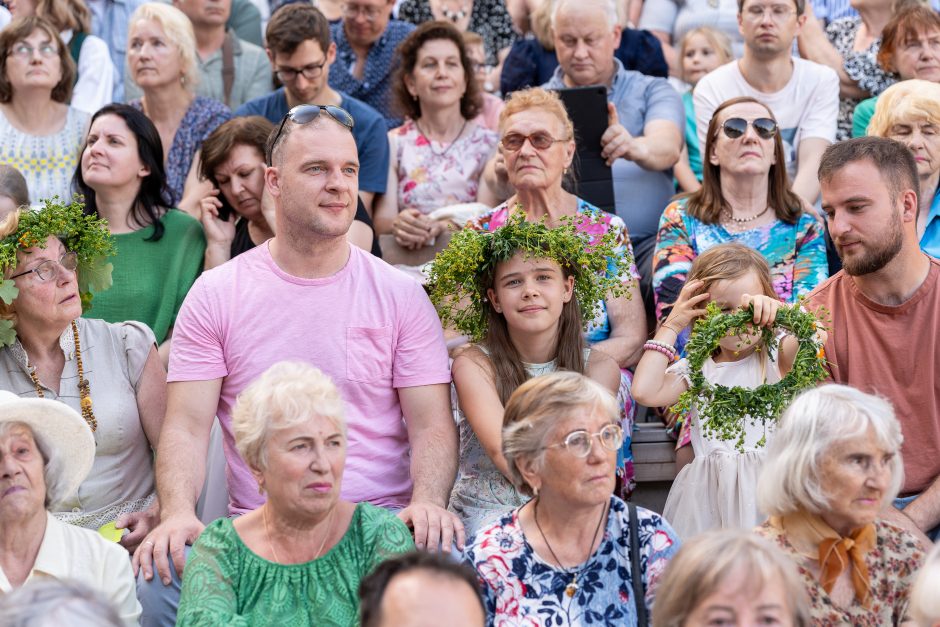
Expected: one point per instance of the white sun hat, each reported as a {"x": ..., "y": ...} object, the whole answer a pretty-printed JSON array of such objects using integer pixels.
[{"x": 61, "y": 428}]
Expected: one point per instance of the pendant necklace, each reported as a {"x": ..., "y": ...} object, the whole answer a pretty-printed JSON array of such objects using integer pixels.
[
  {"x": 449, "y": 146},
  {"x": 572, "y": 588}
]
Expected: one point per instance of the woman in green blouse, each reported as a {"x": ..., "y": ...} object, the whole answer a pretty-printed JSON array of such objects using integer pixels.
[{"x": 298, "y": 559}]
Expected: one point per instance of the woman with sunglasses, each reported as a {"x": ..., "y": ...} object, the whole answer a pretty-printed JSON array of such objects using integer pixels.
[
  {"x": 535, "y": 152},
  {"x": 575, "y": 554},
  {"x": 438, "y": 155},
  {"x": 111, "y": 374}
]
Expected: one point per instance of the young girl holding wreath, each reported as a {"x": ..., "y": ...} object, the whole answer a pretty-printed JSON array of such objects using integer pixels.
[
  {"x": 522, "y": 293},
  {"x": 719, "y": 488}
]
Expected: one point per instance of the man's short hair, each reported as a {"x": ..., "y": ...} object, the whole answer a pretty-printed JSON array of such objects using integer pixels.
[
  {"x": 609, "y": 8},
  {"x": 894, "y": 161},
  {"x": 372, "y": 588},
  {"x": 800, "y": 6},
  {"x": 295, "y": 23}
]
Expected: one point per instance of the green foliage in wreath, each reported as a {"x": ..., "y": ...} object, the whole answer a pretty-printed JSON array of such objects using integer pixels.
[
  {"x": 458, "y": 276},
  {"x": 722, "y": 410}
]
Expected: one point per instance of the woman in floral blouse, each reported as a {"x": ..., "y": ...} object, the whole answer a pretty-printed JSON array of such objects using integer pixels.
[
  {"x": 832, "y": 468},
  {"x": 565, "y": 557}
]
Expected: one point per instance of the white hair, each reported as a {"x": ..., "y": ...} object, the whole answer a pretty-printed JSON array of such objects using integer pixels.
[
  {"x": 287, "y": 394},
  {"x": 608, "y": 7},
  {"x": 817, "y": 419},
  {"x": 51, "y": 602},
  {"x": 925, "y": 602}
]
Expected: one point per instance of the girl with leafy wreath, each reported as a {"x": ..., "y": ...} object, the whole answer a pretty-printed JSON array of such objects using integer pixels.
[
  {"x": 523, "y": 293},
  {"x": 719, "y": 487}
]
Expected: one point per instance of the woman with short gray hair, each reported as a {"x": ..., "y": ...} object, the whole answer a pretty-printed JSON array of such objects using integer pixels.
[
  {"x": 833, "y": 466},
  {"x": 298, "y": 558},
  {"x": 549, "y": 562}
]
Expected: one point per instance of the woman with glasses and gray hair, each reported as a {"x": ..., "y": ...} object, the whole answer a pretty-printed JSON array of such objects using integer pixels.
[
  {"x": 832, "y": 468},
  {"x": 52, "y": 260},
  {"x": 552, "y": 561}
]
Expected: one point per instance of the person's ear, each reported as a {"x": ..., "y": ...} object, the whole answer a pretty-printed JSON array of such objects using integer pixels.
[
  {"x": 272, "y": 180},
  {"x": 494, "y": 300},
  {"x": 569, "y": 289},
  {"x": 713, "y": 156},
  {"x": 271, "y": 59},
  {"x": 330, "y": 54},
  {"x": 526, "y": 465},
  {"x": 909, "y": 206},
  {"x": 143, "y": 172}
]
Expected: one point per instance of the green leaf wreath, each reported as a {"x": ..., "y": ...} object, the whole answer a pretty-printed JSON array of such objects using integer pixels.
[
  {"x": 457, "y": 277},
  {"x": 722, "y": 410},
  {"x": 86, "y": 235}
]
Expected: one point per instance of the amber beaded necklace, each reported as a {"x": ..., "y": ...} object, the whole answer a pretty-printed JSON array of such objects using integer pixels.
[{"x": 84, "y": 388}]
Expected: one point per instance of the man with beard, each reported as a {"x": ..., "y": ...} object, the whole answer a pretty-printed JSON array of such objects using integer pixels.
[{"x": 885, "y": 308}]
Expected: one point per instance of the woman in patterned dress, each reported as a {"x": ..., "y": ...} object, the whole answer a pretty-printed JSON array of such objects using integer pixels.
[
  {"x": 832, "y": 469},
  {"x": 438, "y": 155}
]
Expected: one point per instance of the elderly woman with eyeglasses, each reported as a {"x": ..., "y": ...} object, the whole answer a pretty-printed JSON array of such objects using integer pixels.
[
  {"x": 46, "y": 451},
  {"x": 52, "y": 261},
  {"x": 575, "y": 553},
  {"x": 298, "y": 559},
  {"x": 833, "y": 467}
]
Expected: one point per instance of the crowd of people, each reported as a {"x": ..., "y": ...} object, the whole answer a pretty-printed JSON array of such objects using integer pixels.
[{"x": 195, "y": 202}]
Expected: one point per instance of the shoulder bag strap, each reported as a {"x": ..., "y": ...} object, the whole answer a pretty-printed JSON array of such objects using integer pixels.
[
  {"x": 639, "y": 592},
  {"x": 228, "y": 66}
]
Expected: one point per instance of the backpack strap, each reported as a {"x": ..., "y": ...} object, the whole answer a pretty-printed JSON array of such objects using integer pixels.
[
  {"x": 639, "y": 590},
  {"x": 228, "y": 66}
]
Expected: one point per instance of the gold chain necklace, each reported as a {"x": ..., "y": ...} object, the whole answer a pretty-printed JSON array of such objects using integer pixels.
[
  {"x": 267, "y": 533},
  {"x": 84, "y": 388}
]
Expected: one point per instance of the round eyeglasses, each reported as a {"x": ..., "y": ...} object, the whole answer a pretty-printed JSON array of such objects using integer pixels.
[
  {"x": 580, "y": 442},
  {"x": 49, "y": 270},
  {"x": 310, "y": 72},
  {"x": 737, "y": 127},
  {"x": 540, "y": 141}
]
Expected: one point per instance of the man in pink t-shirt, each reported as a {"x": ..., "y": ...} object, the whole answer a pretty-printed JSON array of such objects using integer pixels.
[{"x": 308, "y": 295}]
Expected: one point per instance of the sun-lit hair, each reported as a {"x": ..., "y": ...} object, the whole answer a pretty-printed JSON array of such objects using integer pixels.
[
  {"x": 73, "y": 15},
  {"x": 906, "y": 102},
  {"x": 538, "y": 99},
  {"x": 924, "y": 601},
  {"x": 729, "y": 261},
  {"x": 178, "y": 29},
  {"x": 536, "y": 407},
  {"x": 288, "y": 394},
  {"x": 719, "y": 42},
  {"x": 909, "y": 22},
  {"x": 790, "y": 479},
  {"x": 608, "y": 7},
  {"x": 707, "y": 561}
]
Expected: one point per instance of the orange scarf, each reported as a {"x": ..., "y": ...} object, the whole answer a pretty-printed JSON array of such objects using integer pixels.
[{"x": 835, "y": 553}]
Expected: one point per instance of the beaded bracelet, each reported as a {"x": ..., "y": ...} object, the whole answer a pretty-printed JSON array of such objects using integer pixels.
[
  {"x": 659, "y": 349},
  {"x": 668, "y": 347}
]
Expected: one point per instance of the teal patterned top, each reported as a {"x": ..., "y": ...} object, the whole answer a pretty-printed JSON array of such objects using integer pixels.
[{"x": 227, "y": 584}]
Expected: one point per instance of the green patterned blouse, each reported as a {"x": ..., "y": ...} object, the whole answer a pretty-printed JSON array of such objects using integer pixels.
[{"x": 226, "y": 584}]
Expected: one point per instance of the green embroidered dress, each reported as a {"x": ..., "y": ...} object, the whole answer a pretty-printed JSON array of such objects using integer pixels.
[{"x": 227, "y": 584}]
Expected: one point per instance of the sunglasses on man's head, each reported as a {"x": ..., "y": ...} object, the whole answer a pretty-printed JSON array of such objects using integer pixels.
[
  {"x": 306, "y": 113},
  {"x": 737, "y": 127}
]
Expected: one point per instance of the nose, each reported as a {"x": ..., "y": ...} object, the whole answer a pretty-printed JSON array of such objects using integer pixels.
[
  {"x": 838, "y": 225},
  {"x": 581, "y": 49},
  {"x": 238, "y": 186},
  {"x": 319, "y": 463},
  {"x": 336, "y": 181},
  {"x": 8, "y": 466},
  {"x": 531, "y": 289}
]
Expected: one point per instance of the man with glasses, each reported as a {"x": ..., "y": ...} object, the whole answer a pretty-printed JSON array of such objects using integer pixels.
[
  {"x": 301, "y": 53},
  {"x": 804, "y": 96},
  {"x": 366, "y": 40},
  {"x": 308, "y": 295}
]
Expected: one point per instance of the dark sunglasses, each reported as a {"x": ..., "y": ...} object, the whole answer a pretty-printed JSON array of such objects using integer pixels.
[
  {"x": 737, "y": 127},
  {"x": 305, "y": 113}
]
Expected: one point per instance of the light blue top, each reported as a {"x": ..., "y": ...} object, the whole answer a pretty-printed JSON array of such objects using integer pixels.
[{"x": 930, "y": 240}]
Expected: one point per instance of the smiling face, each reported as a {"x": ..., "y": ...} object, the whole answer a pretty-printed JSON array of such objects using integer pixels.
[
  {"x": 530, "y": 292},
  {"x": 438, "y": 80},
  {"x": 855, "y": 474},
  {"x": 918, "y": 55},
  {"x": 747, "y": 155},
  {"x": 304, "y": 468},
  {"x": 738, "y": 602},
  {"x": 531, "y": 168},
  {"x": 153, "y": 59},
  {"x": 39, "y": 68},
  {"x": 45, "y": 305},
  {"x": 241, "y": 180},
  {"x": 699, "y": 57},
  {"x": 110, "y": 159},
  {"x": 923, "y": 139},
  {"x": 22, "y": 483},
  {"x": 585, "y": 42}
]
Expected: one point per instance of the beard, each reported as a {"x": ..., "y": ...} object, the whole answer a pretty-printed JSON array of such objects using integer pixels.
[{"x": 874, "y": 259}]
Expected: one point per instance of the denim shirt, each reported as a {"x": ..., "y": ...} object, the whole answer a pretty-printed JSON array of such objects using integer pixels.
[
  {"x": 930, "y": 240},
  {"x": 109, "y": 21}
]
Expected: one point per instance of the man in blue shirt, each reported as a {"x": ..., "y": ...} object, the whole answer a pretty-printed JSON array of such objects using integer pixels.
[
  {"x": 301, "y": 53},
  {"x": 366, "y": 39}
]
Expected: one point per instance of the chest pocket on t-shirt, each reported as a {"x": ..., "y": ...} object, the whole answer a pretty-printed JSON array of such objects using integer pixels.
[{"x": 368, "y": 354}]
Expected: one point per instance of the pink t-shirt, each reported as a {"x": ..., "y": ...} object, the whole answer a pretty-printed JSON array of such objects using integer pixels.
[{"x": 370, "y": 327}]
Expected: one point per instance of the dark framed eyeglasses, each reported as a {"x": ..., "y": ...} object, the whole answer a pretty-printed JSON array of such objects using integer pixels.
[
  {"x": 737, "y": 127},
  {"x": 540, "y": 141},
  {"x": 49, "y": 270},
  {"x": 579, "y": 443},
  {"x": 310, "y": 72},
  {"x": 306, "y": 113}
]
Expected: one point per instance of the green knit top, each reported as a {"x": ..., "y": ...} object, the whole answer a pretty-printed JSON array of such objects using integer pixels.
[
  {"x": 225, "y": 583},
  {"x": 152, "y": 278}
]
